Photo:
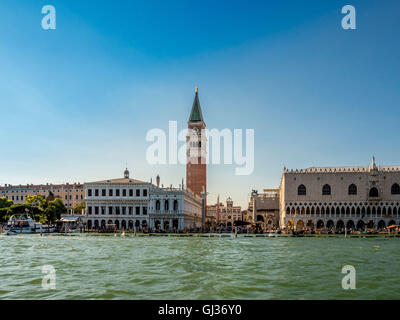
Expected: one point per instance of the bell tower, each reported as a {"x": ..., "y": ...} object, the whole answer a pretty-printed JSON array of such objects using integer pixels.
[{"x": 196, "y": 170}]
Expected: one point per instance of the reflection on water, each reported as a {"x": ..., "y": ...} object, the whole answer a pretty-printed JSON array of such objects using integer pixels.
[{"x": 107, "y": 267}]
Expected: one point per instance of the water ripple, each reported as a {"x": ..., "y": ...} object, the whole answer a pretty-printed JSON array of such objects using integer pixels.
[{"x": 107, "y": 267}]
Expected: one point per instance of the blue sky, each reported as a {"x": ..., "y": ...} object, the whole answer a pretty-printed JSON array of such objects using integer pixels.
[{"x": 76, "y": 102}]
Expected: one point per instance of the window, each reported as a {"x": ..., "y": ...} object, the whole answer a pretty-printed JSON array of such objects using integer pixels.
[
  {"x": 395, "y": 189},
  {"x": 117, "y": 211},
  {"x": 352, "y": 189},
  {"x": 137, "y": 209},
  {"x": 131, "y": 192},
  {"x": 175, "y": 205},
  {"x": 144, "y": 210},
  {"x": 124, "y": 192},
  {"x": 110, "y": 192},
  {"x": 144, "y": 192},
  {"x": 89, "y": 210},
  {"x": 103, "y": 192},
  {"x": 110, "y": 210},
  {"x": 158, "y": 205},
  {"x": 117, "y": 192},
  {"x": 96, "y": 192},
  {"x": 137, "y": 192},
  {"x": 124, "y": 210},
  {"x": 96, "y": 210},
  {"x": 373, "y": 193},
  {"x": 130, "y": 211},
  {"x": 89, "y": 192},
  {"x": 103, "y": 210},
  {"x": 301, "y": 190},
  {"x": 326, "y": 190},
  {"x": 166, "y": 205}
]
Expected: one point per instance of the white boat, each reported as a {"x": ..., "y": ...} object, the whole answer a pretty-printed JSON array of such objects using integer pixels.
[{"x": 24, "y": 224}]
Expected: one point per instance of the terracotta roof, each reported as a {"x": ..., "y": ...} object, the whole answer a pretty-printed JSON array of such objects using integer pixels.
[{"x": 43, "y": 186}]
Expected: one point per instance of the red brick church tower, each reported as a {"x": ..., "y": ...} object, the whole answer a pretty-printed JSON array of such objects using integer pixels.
[{"x": 196, "y": 150}]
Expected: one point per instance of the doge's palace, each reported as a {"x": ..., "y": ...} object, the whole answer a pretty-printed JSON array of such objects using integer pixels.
[{"x": 332, "y": 198}]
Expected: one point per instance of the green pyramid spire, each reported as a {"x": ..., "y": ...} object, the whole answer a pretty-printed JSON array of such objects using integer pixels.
[{"x": 195, "y": 114}]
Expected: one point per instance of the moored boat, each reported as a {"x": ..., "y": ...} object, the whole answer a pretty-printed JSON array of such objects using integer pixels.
[
  {"x": 24, "y": 224},
  {"x": 69, "y": 225}
]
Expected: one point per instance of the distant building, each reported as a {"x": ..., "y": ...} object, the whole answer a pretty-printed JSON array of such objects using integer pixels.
[
  {"x": 70, "y": 194},
  {"x": 264, "y": 209},
  {"x": 129, "y": 203},
  {"x": 338, "y": 197},
  {"x": 174, "y": 209},
  {"x": 228, "y": 213}
]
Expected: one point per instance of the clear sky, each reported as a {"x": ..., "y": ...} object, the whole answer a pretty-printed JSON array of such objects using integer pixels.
[{"x": 76, "y": 102}]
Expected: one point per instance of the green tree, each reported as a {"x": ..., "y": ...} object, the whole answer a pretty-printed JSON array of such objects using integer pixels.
[
  {"x": 4, "y": 214},
  {"x": 5, "y": 209},
  {"x": 79, "y": 207},
  {"x": 38, "y": 201},
  {"x": 22, "y": 208},
  {"x": 4, "y": 203},
  {"x": 54, "y": 210}
]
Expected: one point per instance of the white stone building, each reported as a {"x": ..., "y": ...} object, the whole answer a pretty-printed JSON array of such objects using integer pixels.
[
  {"x": 337, "y": 197},
  {"x": 129, "y": 203},
  {"x": 174, "y": 209}
]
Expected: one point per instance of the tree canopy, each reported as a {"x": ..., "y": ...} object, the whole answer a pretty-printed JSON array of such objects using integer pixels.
[
  {"x": 79, "y": 207},
  {"x": 37, "y": 206}
]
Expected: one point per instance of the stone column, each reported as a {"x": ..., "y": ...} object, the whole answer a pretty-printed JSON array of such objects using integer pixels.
[{"x": 254, "y": 194}]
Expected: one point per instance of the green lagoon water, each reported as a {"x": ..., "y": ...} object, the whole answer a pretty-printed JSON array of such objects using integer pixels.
[{"x": 108, "y": 267}]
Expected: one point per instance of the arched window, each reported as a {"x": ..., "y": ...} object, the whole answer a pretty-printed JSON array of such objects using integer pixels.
[
  {"x": 301, "y": 190},
  {"x": 175, "y": 205},
  {"x": 158, "y": 205},
  {"x": 166, "y": 205},
  {"x": 352, "y": 189},
  {"x": 395, "y": 189},
  {"x": 373, "y": 193},
  {"x": 326, "y": 190}
]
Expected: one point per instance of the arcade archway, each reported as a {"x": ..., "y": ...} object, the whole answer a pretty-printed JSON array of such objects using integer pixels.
[{"x": 350, "y": 225}]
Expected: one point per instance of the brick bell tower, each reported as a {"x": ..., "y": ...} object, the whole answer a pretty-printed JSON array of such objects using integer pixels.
[{"x": 196, "y": 170}]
